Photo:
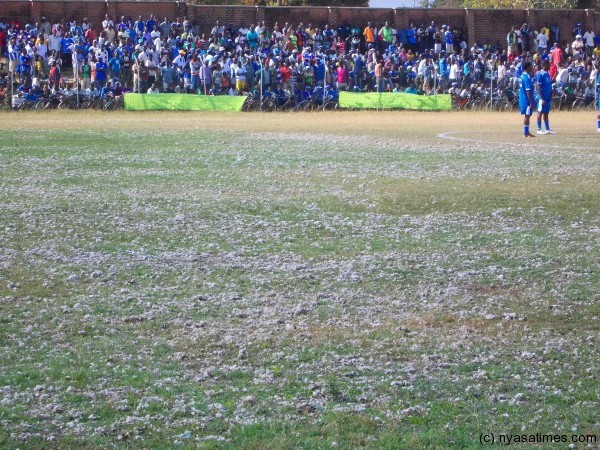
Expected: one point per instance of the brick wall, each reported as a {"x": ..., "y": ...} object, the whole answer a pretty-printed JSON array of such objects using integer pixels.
[{"x": 482, "y": 26}]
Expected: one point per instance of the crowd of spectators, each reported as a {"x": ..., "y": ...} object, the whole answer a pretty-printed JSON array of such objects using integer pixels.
[{"x": 149, "y": 55}]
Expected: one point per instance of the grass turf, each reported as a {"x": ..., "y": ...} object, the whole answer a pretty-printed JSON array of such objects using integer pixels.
[{"x": 346, "y": 280}]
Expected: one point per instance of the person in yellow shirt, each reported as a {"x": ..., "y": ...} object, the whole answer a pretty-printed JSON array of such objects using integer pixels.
[
  {"x": 369, "y": 34},
  {"x": 310, "y": 30}
]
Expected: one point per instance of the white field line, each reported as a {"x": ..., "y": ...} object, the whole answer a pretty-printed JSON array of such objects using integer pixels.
[{"x": 449, "y": 135}]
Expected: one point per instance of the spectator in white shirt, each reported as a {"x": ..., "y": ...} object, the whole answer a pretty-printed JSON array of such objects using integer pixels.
[{"x": 588, "y": 38}]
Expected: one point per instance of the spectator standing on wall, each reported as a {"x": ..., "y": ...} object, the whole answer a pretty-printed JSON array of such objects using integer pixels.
[
  {"x": 45, "y": 25},
  {"x": 412, "y": 37},
  {"x": 387, "y": 34},
  {"x": 449, "y": 38},
  {"x": 422, "y": 38},
  {"x": 369, "y": 34},
  {"x": 512, "y": 39},
  {"x": 589, "y": 37},
  {"x": 554, "y": 33},
  {"x": 542, "y": 42},
  {"x": 107, "y": 22},
  {"x": 431, "y": 29},
  {"x": 525, "y": 38},
  {"x": 54, "y": 42},
  {"x": 438, "y": 39}
]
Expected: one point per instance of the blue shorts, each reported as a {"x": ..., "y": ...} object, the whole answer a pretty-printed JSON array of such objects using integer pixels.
[
  {"x": 525, "y": 109},
  {"x": 545, "y": 108}
]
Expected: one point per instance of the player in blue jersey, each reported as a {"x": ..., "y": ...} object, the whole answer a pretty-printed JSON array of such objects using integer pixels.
[
  {"x": 543, "y": 97},
  {"x": 526, "y": 102}
]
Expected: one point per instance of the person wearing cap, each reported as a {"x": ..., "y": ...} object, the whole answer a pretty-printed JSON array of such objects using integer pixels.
[
  {"x": 526, "y": 100},
  {"x": 45, "y": 25},
  {"x": 578, "y": 29},
  {"x": 578, "y": 46}
]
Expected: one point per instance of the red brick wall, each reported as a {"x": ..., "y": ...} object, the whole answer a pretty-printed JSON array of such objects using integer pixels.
[
  {"x": 206, "y": 16},
  {"x": 482, "y": 26}
]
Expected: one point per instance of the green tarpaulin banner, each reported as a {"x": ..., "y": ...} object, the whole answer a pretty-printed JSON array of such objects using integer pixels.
[
  {"x": 183, "y": 102},
  {"x": 390, "y": 100}
]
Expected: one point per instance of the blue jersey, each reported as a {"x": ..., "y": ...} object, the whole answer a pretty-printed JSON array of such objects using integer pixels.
[
  {"x": 526, "y": 85},
  {"x": 544, "y": 85}
]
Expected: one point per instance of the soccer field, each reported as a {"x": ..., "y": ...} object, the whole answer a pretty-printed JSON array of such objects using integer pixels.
[{"x": 325, "y": 280}]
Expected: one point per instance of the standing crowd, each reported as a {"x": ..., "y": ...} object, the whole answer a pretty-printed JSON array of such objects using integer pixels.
[{"x": 150, "y": 55}]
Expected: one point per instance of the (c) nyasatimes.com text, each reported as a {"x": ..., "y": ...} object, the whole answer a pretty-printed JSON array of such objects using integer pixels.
[{"x": 537, "y": 438}]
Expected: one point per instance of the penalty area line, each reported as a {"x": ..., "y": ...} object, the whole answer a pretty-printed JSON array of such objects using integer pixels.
[{"x": 449, "y": 135}]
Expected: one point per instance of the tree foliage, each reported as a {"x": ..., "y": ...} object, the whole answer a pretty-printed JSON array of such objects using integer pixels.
[
  {"x": 325, "y": 2},
  {"x": 511, "y": 4}
]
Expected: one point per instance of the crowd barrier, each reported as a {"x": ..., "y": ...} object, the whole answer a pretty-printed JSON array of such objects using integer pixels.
[
  {"x": 178, "y": 102},
  {"x": 389, "y": 100},
  {"x": 347, "y": 100}
]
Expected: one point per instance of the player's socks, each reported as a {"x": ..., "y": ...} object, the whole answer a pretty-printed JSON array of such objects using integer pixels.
[
  {"x": 547, "y": 124},
  {"x": 539, "y": 124},
  {"x": 526, "y": 130}
]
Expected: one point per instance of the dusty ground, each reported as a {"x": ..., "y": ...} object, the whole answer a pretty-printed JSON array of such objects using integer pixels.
[
  {"x": 575, "y": 128},
  {"x": 328, "y": 280}
]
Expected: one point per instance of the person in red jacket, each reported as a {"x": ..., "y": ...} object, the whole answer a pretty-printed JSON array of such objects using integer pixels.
[
  {"x": 54, "y": 76},
  {"x": 90, "y": 34}
]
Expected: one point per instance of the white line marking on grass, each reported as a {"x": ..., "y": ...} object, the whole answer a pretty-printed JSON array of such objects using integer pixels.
[{"x": 448, "y": 135}]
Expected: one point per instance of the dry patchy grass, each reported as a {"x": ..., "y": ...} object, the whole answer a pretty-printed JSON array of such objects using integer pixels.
[{"x": 575, "y": 128}]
